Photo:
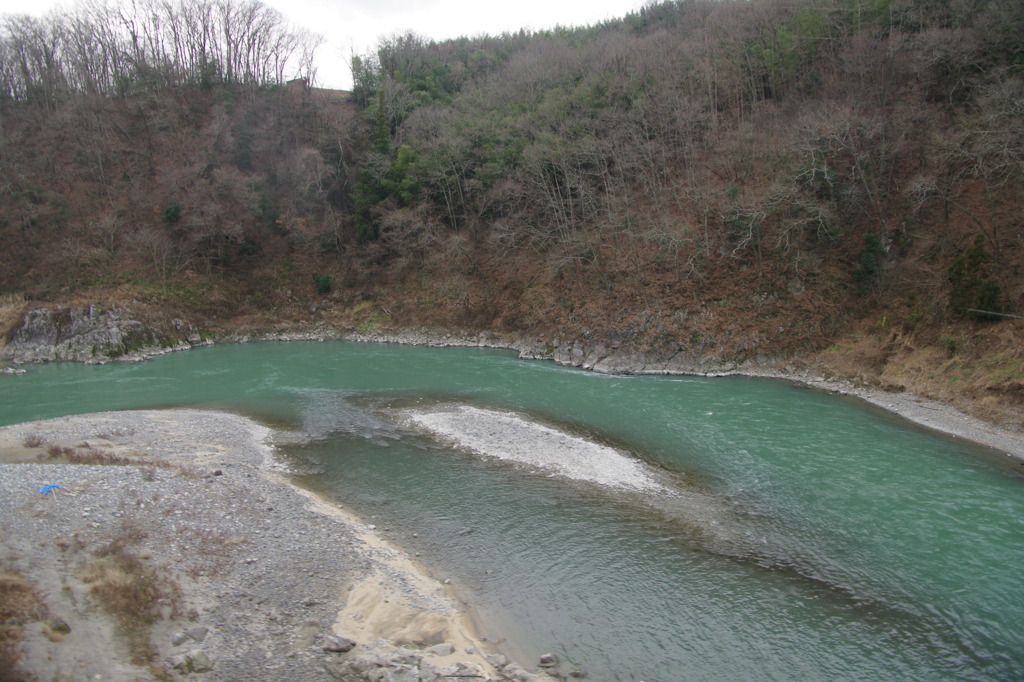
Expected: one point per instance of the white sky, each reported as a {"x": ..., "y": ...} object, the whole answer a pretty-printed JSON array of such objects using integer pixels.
[{"x": 357, "y": 24}]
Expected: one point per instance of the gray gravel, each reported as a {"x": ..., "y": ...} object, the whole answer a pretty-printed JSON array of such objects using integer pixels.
[{"x": 266, "y": 573}]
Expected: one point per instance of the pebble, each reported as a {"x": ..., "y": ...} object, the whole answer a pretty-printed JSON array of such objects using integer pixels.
[{"x": 207, "y": 535}]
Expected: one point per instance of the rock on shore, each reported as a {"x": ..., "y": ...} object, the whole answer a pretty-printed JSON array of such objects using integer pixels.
[
  {"x": 253, "y": 578},
  {"x": 94, "y": 334}
]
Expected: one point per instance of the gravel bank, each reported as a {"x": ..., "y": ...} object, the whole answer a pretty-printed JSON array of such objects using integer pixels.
[
  {"x": 261, "y": 579},
  {"x": 513, "y": 437}
]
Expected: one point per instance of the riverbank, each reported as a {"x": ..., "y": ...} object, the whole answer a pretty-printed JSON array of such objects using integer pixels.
[
  {"x": 96, "y": 334},
  {"x": 186, "y": 471},
  {"x": 602, "y": 358},
  {"x": 173, "y": 544}
]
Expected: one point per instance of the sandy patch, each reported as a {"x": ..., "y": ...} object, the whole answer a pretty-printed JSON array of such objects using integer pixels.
[{"x": 401, "y": 604}]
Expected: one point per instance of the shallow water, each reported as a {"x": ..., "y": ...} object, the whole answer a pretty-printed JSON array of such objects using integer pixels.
[{"x": 799, "y": 535}]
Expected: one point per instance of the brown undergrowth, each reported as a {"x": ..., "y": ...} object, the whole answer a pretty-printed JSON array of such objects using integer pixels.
[
  {"x": 87, "y": 454},
  {"x": 12, "y": 310},
  {"x": 976, "y": 367},
  {"x": 130, "y": 589},
  {"x": 20, "y": 605}
]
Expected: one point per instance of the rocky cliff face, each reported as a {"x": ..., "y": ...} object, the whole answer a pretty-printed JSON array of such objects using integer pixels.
[
  {"x": 607, "y": 356},
  {"x": 93, "y": 334}
]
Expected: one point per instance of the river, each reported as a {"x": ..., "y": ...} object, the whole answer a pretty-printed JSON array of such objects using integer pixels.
[{"x": 642, "y": 528}]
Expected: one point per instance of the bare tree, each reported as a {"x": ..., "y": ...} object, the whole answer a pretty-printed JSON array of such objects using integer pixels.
[{"x": 102, "y": 49}]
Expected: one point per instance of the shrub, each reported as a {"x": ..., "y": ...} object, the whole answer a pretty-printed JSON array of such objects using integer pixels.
[
  {"x": 972, "y": 294},
  {"x": 872, "y": 257},
  {"x": 324, "y": 284},
  {"x": 172, "y": 213},
  {"x": 33, "y": 440}
]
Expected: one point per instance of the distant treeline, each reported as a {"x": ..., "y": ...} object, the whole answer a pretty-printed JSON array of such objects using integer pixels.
[
  {"x": 107, "y": 49},
  {"x": 698, "y": 130},
  {"x": 789, "y": 161}
]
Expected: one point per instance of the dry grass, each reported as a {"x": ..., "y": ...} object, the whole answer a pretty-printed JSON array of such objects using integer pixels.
[
  {"x": 130, "y": 589},
  {"x": 34, "y": 440},
  {"x": 189, "y": 471},
  {"x": 975, "y": 367},
  {"x": 12, "y": 311},
  {"x": 20, "y": 604},
  {"x": 85, "y": 453}
]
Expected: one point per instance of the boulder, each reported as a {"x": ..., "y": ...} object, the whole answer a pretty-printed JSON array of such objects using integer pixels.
[
  {"x": 200, "y": 662},
  {"x": 549, "y": 661},
  {"x": 60, "y": 626},
  {"x": 514, "y": 672},
  {"x": 197, "y": 634},
  {"x": 497, "y": 660},
  {"x": 195, "y": 661},
  {"x": 444, "y": 649},
  {"x": 338, "y": 644}
]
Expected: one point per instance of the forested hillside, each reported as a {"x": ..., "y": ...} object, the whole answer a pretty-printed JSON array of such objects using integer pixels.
[{"x": 836, "y": 181}]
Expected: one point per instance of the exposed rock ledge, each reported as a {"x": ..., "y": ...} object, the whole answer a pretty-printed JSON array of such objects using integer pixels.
[
  {"x": 259, "y": 580},
  {"x": 94, "y": 334}
]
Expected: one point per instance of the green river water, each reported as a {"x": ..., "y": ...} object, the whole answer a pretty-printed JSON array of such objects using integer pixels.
[{"x": 801, "y": 535}]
